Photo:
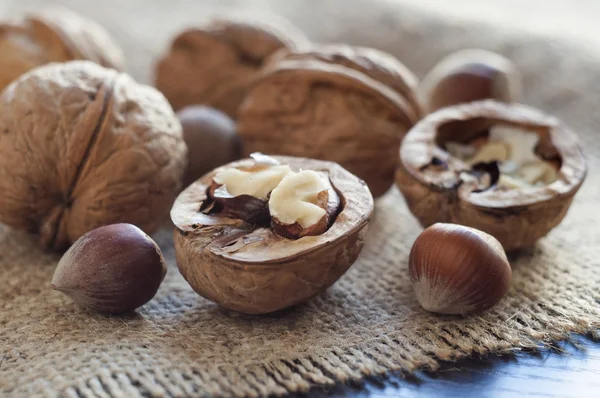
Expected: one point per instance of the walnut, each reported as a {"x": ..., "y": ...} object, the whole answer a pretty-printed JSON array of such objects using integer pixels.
[
  {"x": 508, "y": 170},
  {"x": 374, "y": 63},
  {"x": 286, "y": 232},
  {"x": 215, "y": 63},
  {"x": 82, "y": 146},
  {"x": 309, "y": 107},
  {"x": 54, "y": 35}
]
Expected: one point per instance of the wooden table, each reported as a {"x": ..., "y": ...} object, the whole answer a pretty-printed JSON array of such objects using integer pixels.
[{"x": 569, "y": 370}]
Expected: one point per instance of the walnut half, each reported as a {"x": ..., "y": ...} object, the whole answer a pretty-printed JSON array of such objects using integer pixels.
[
  {"x": 443, "y": 182},
  {"x": 82, "y": 146},
  {"x": 314, "y": 229}
]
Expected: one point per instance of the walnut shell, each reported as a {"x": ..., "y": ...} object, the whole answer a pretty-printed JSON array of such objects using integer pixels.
[
  {"x": 374, "y": 63},
  {"x": 253, "y": 270},
  {"x": 215, "y": 63},
  {"x": 82, "y": 146},
  {"x": 306, "y": 105},
  {"x": 429, "y": 176},
  {"x": 54, "y": 35}
]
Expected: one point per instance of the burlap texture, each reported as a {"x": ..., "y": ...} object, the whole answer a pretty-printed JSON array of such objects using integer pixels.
[{"x": 369, "y": 322}]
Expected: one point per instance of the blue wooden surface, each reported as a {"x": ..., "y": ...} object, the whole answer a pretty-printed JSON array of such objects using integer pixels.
[{"x": 571, "y": 370}]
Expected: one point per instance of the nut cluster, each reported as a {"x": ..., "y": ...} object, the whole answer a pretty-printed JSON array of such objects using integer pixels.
[{"x": 91, "y": 160}]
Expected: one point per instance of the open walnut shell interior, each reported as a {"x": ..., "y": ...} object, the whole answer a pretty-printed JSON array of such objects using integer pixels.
[
  {"x": 250, "y": 268},
  {"x": 441, "y": 187},
  {"x": 304, "y": 104}
]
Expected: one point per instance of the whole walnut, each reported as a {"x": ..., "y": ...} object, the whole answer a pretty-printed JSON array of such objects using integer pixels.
[
  {"x": 347, "y": 105},
  {"x": 215, "y": 63},
  {"x": 377, "y": 64},
  {"x": 54, "y": 35},
  {"x": 82, "y": 146}
]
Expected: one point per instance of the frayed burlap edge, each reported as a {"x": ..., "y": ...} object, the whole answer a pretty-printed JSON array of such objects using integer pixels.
[{"x": 393, "y": 352}]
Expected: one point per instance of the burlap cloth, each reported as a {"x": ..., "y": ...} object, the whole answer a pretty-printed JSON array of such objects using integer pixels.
[{"x": 369, "y": 322}]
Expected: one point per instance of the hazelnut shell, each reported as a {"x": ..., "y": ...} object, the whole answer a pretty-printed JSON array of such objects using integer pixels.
[
  {"x": 251, "y": 269},
  {"x": 429, "y": 177},
  {"x": 458, "y": 270},
  {"x": 211, "y": 138},
  {"x": 54, "y": 35},
  {"x": 315, "y": 109},
  {"x": 471, "y": 75},
  {"x": 214, "y": 63},
  {"x": 112, "y": 269},
  {"x": 82, "y": 146}
]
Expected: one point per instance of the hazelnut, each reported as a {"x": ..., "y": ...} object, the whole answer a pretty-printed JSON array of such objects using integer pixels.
[
  {"x": 261, "y": 268},
  {"x": 112, "y": 269},
  {"x": 82, "y": 146},
  {"x": 307, "y": 105},
  {"x": 54, "y": 35},
  {"x": 214, "y": 63},
  {"x": 458, "y": 270},
  {"x": 471, "y": 75},
  {"x": 211, "y": 139},
  {"x": 516, "y": 194}
]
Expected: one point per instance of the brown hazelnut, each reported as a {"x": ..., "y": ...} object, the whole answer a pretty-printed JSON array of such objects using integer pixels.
[
  {"x": 458, "y": 270},
  {"x": 471, "y": 75},
  {"x": 82, "y": 146},
  {"x": 54, "y": 35},
  {"x": 211, "y": 139},
  {"x": 255, "y": 268},
  {"x": 112, "y": 269},
  {"x": 518, "y": 199},
  {"x": 306, "y": 105},
  {"x": 213, "y": 64}
]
